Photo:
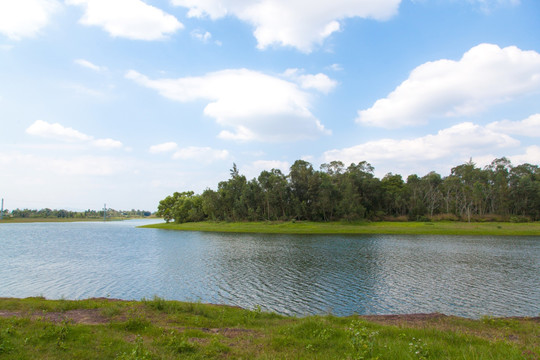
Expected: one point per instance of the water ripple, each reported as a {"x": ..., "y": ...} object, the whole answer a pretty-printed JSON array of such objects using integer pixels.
[{"x": 298, "y": 275}]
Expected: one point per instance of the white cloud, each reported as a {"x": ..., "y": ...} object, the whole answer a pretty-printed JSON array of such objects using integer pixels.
[
  {"x": 201, "y": 154},
  {"x": 528, "y": 127},
  {"x": 132, "y": 19},
  {"x": 87, "y": 64},
  {"x": 255, "y": 106},
  {"x": 107, "y": 143},
  {"x": 58, "y": 132},
  {"x": 165, "y": 147},
  {"x": 319, "y": 82},
  {"x": 457, "y": 142},
  {"x": 201, "y": 36},
  {"x": 255, "y": 168},
  {"x": 298, "y": 23},
  {"x": 25, "y": 18},
  {"x": 484, "y": 76},
  {"x": 531, "y": 156}
]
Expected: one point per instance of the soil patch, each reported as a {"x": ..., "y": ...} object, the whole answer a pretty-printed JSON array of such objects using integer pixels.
[
  {"x": 409, "y": 319},
  {"x": 81, "y": 316}
]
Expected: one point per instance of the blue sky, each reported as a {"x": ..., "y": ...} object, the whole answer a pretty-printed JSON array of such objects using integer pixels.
[{"x": 126, "y": 101}]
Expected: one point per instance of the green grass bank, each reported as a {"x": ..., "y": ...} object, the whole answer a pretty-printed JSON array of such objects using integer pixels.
[
  {"x": 383, "y": 227},
  {"x": 35, "y": 328}
]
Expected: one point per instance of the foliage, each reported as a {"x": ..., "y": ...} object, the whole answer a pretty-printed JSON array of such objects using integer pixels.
[
  {"x": 362, "y": 340},
  {"x": 62, "y": 214},
  {"x": 336, "y": 193}
]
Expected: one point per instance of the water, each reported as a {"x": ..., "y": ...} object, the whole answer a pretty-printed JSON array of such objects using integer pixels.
[{"x": 289, "y": 274}]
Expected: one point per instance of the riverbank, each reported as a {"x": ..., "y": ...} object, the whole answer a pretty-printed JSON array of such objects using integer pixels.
[
  {"x": 383, "y": 227},
  {"x": 36, "y": 328}
]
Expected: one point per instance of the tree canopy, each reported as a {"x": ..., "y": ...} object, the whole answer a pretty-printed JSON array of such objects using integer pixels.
[{"x": 336, "y": 192}]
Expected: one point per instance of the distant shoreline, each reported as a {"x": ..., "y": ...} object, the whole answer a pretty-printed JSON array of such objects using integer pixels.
[
  {"x": 383, "y": 227},
  {"x": 38, "y": 220}
]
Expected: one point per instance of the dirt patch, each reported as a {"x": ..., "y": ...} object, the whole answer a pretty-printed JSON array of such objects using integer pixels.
[
  {"x": 106, "y": 299},
  {"x": 227, "y": 332},
  {"x": 4, "y": 313},
  {"x": 230, "y": 332},
  {"x": 409, "y": 319},
  {"x": 81, "y": 316}
]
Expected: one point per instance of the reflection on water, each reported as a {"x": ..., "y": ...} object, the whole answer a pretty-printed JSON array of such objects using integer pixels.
[{"x": 290, "y": 274}]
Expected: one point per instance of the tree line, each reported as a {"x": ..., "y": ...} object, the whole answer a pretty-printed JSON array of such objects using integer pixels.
[
  {"x": 66, "y": 214},
  {"x": 499, "y": 191}
]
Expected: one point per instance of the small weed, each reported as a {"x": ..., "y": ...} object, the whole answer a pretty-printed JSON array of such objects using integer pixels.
[
  {"x": 5, "y": 344},
  {"x": 157, "y": 303},
  {"x": 136, "y": 321},
  {"x": 62, "y": 333},
  {"x": 418, "y": 349},
  {"x": 180, "y": 345},
  {"x": 111, "y": 311},
  {"x": 320, "y": 337},
  {"x": 216, "y": 348},
  {"x": 253, "y": 314},
  {"x": 362, "y": 341},
  {"x": 323, "y": 334},
  {"x": 137, "y": 353}
]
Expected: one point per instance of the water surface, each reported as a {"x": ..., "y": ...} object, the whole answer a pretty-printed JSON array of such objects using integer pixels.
[{"x": 290, "y": 274}]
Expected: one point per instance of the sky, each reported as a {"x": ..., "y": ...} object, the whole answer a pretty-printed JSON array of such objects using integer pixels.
[{"x": 123, "y": 102}]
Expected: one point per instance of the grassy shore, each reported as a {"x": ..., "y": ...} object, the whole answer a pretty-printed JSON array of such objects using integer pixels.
[
  {"x": 36, "y": 328},
  {"x": 384, "y": 227}
]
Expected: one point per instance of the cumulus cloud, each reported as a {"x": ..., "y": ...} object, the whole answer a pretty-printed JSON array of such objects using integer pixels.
[
  {"x": 201, "y": 36},
  {"x": 298, "y": 23},
  {"x": 107, "y": 143},
  {"x": 25, "y": 18},
  {"x": 255, "y": 168},
  {"x": 163, "y": 148},
  {"x": 253, "y": 105},
  {"x": 132, "y": 19},
  {"x": 528, "y": 127},
  {"x": 319, "y": 82},
  {"x": 531, "y": 156},
  {"x": 484, "y": 76},
  {"x": 459, "y": 141},
  {"x": 58, "y": 132},
  {"x": 87, "y": 64},
  {"x": 201, "y": 154}
]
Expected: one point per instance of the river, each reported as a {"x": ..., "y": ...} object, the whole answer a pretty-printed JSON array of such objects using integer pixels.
[{"x": 299, "y": 275}]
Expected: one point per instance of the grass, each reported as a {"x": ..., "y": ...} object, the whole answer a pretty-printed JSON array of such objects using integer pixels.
[
  {"x": 36, "y": 328},
  {"x": 383, "y": 227}
]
